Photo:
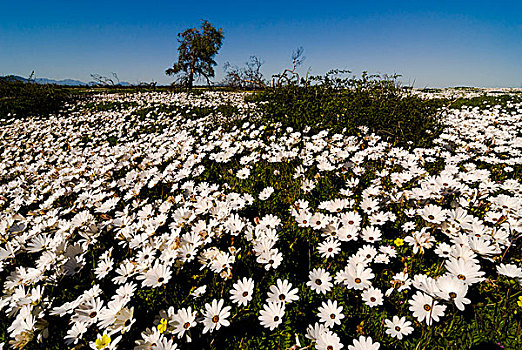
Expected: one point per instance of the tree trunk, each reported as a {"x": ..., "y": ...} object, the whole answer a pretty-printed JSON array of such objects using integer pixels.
[{"x": 191, "y": 74}]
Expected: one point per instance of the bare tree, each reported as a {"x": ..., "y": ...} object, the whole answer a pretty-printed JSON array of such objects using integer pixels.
[
  {"x": 249, "y": 76},
  {"x": 103, "y": 80},
  {"x": 290, "y": 75}
]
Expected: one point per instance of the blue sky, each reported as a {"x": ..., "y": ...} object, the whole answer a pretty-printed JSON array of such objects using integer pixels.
[{"x": 431, "y": 43}]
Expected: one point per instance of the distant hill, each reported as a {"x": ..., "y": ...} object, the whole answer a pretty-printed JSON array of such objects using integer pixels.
[
  {"x": 69, "y": 82},
  {"x": 65, "y": 82}
]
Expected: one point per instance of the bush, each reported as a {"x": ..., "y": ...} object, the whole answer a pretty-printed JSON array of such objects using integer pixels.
[
  {"x": 344, "y": 104},
  {"x": 23, "y": 99}
]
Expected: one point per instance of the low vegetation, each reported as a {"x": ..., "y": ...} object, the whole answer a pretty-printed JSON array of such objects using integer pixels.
[{"x": 20, "y": 99}]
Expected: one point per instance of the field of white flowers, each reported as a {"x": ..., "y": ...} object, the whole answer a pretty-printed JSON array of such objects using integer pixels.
[{"x": 159, "y": 222}]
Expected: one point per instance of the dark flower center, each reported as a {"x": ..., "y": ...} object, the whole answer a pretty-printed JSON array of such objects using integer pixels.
[
  {"x": 358, "y": 280},
  {"x": 427, "y": 307},
  {"x": 318, "y": 282},
  {"x": 245, "y": 294},
  {"x": 215, "y": 319}
]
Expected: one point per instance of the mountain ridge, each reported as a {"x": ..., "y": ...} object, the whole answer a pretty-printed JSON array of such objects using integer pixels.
[{"x": 63, "y": 82}]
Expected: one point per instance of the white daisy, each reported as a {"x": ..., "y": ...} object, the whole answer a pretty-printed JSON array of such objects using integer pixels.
[
  {"x": 364, "y": 343},
  {"x": 372, "y": 296},
  {"x": 242, "y": 291},
  {"x": 183, "y": 321},
  {"x": 509, "y": 270},
  {"x": 328, "y": 341},
  {"x": 425, "y": 308},
  {"x": 398, "y": 327},
  {"x": 215, "y": 316},
  {"x": 330, "y": 313},
  {"x": 282, "y": 292},
  {"x": 156, "y": 276},
  {"x": 319, "y": 281},
  {"x": 272, "y": 315}
]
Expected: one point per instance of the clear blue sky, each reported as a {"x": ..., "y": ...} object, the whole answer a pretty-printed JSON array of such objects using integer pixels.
[{"x": 431, "y": 43}]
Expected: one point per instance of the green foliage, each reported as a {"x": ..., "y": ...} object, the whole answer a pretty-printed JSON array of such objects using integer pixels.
[
  {"x": 506, "y": 101},
  {"x": 344, "y": 104},
  {"x": 196, "y": 53},
  {"x": 20, "y": 99}
]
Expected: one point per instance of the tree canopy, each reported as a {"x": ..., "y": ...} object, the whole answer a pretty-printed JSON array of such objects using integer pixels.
[{"x": 197, "y": 49}]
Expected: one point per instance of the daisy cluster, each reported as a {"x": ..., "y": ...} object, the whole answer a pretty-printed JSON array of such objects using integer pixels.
[
  {"x": 455, "y": 93},
  {"x": 157, "y": 226}
]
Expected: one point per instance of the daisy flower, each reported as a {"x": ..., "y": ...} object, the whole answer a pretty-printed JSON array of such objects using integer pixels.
[
  {"x": 319, "y": 281},
  {"x": 243, "y": 173},
  {"x": 398, "y": 327},
  {"x": 89, "y": 311},
  {"x": 329, "y": 248},
  {"x": 242, "y": 291},
  {"x": 443, "y": 250},
  {"x": 266, "y": 193},
  {"x": 355, "y": 276},
  {"x": 183, "y": 321},
  {"x": 282, "y": 293},
  {"x": 424, "y": 308},
  {"x": 371, "y": 234},
  {"x": 465, "y": 270},
  {"x": 364, "y": 343},
  {"x": 328, "y": 341},
  {"x": 156, "y": 276},
  {"x": 433, "y": 214},
  {"x": 372, "y": 296},
  {"x": 116, "y": 318},
  {"x": 75, "y": 333},
  {"x": 315, "y": 331},
  {"x": 271, "y": 259},
  {"x": 330, "y": 314},
  {"x": 348, "y": 233},
  {"x": 215, "y": 316},
  {"x": 272, "y": 315},
  {"x": 509, "y": 270},
  {"x": 450, "y": 288}
]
